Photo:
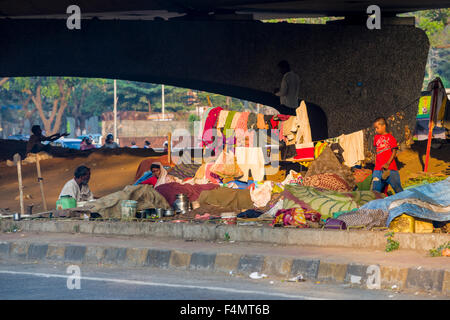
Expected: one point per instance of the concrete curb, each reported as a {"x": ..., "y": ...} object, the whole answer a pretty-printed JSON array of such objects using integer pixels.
[
  {"x": 211, "y": 232},
  {"x": 362, "y": 276}
]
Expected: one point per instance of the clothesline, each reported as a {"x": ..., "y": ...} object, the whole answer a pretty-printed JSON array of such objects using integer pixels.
[{"x": 337, "y": 138}]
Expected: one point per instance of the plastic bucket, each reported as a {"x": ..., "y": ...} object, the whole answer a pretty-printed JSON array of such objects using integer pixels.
[
  {"x": 66, "y": 202},
  {"x": 128, "y": 208}
]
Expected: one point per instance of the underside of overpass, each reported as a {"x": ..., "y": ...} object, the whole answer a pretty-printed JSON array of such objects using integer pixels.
[{"x": 354, "y": 74}]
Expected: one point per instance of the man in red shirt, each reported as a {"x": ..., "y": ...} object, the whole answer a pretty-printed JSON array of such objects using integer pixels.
[{"x": 385, "y": 172}]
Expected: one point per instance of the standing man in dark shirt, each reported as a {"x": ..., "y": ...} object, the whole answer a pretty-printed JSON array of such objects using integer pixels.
[{"x": 35, "y": 144}]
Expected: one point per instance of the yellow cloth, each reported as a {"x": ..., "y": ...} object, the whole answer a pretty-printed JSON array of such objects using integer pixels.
[{"x": 222, "y": 118}]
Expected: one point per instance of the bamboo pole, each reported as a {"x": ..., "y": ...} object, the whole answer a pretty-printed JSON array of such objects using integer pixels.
[
  {"x": 17, "y": 160},
  {"x": 169, "y": 147},
  {"x": 41, "y": 182},
  {"x": 435, "y": 89}
]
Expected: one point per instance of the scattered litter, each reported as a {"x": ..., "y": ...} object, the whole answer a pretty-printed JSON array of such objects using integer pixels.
[
  {"x": 394, "y": 287},
  {"x": 298, "y": 278},
  {"x": 271, "y": 282},
  {"x": 355, "y": 279},
  {"x": 256, "y": 275},
  {"x": 231, "y": 272}
]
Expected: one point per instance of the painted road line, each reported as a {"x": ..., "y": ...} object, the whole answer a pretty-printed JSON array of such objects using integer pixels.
[{"x": 156, "y": 284}]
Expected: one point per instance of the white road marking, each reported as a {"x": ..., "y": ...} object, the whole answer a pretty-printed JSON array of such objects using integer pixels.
[{"x": 145, "y": 283}]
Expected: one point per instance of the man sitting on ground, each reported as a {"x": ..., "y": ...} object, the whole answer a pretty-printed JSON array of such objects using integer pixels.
[
  {"x": 78, "y": 187},
  {"x": 35, "y": 144}
]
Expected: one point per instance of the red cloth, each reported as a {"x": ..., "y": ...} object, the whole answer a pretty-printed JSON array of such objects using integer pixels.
[
  {"x": 211, "y": 120},
  {"x": 384, "y": 144},
  {"x": 151, "y": 180},
  {"x": 170, "y": 190},
  {"x": 274, "y": 123},
  {"x": 305, "y": 154},
  {"x": 283, "y": 117}
]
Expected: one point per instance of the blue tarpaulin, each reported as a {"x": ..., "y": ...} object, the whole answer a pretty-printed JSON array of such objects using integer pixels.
[{"x": 429, "y": 201}]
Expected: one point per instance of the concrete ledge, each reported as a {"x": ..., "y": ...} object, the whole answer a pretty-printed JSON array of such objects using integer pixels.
[
  {"x": 211, "y": 232},
  {"x": 430, "y": 280}
]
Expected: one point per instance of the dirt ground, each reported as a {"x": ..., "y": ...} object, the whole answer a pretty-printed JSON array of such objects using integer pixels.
[{"x": 112, "y": 172}]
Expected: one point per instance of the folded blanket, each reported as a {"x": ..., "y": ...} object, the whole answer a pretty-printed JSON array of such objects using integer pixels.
[{"x": 326, "y": 202}]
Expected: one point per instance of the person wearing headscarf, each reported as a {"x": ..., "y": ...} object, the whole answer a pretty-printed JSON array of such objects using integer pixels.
[{"x": 159, "y": 175}]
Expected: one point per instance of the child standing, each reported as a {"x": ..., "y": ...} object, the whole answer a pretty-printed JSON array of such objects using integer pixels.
[{"x": 385, "y": 171}]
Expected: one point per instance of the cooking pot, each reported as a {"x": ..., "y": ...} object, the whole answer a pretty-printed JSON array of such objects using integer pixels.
[
  {"x": 159, "y": 212},
  {"x": 169, "y": 213}
]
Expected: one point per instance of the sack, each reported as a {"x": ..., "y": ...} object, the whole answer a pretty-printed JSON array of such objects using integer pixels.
[{"x": 335, "y": 224}]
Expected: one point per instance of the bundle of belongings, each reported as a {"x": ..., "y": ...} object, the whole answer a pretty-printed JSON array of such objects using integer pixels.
[
  {"x": 412, "y": 210},
  {"x": 110, "y": 206}
]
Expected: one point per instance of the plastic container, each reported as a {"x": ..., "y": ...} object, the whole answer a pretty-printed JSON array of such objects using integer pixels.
[
  {"x": 66, "y": 202},
  {"x": 128, "y": 209},
  {"x": 423, "y": 226},
  {"x": 403, "y": 223}
]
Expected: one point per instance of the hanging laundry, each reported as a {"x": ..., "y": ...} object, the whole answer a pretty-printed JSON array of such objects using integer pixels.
[
  {"x": 226, "y": 129},
  {"x": 245, "y": 138},
  {"x": 353, "y": 145},
  {"x": 260, "y": 124},
  {"x": 235, "y": 120},
  {"x": 274, "y": 123},
  {"x": 208, "y": 133},
  {"x": 242, "y": 122},
  {"x": 204, "y": 117},
  {"x": 267, "y": 118},
  {"x": 252, "y": 120},
  {"x": 302, "y": 122},
  {"x": 222, "y": 118},
  {"x": 251, "y": 158},
  {"x": 288, "y": 126},
  {"x": 305, "y": 151}
]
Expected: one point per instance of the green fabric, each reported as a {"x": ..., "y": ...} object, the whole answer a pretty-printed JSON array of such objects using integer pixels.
[
  {"x": 228, "y": 124},
  {"x": 326, "y": 202},
  {"x": 337, "y": 214},
  {"x": 366, "y": 184}
]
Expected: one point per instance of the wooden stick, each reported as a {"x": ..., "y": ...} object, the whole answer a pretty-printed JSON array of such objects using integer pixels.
[
  {"x": 17, "y": 160},
  {"x": 41, "y": 183},
  {"x": 169, "y": 148}
]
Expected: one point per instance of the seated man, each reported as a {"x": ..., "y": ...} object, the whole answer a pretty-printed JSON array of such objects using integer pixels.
[
  {"x": 110, "y": 143},
  {"x": 78, "y": 187},
  {"x": 35, "y": 144}
]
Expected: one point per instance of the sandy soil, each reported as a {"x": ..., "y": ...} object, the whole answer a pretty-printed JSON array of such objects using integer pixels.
[{"x": 111, "y": 172}]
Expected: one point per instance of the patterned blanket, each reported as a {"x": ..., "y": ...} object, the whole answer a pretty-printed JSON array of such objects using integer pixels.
[{"x": 326, "y": 202}]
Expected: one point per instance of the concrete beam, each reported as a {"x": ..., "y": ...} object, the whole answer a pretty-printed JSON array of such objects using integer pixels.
[{"x": 352, "y": 73}]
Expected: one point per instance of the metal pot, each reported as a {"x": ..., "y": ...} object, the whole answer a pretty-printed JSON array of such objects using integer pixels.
[
  {"x": 169, "y": 213},
  {"x": 182, "y": 204},
  {"x": 159, "y": 212}
]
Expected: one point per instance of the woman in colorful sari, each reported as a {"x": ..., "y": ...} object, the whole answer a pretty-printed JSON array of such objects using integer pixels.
[{"x": 159, "y": 176}]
